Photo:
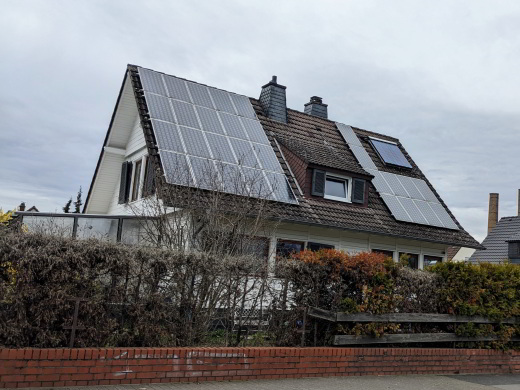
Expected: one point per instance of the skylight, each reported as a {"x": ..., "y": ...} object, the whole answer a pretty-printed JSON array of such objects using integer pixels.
[{"x": 390, "y": 153}]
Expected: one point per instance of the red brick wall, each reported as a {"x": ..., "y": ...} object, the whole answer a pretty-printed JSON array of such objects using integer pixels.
[{"x": 80, "y": 367}]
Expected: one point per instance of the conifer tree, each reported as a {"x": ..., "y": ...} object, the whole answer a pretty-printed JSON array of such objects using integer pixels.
[
  {"x": 78, "y": 203},
  {"x": 66, "y": 208}
]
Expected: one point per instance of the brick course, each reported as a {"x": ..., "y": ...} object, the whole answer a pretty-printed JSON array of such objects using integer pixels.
[{"x": 108, "y": 366}]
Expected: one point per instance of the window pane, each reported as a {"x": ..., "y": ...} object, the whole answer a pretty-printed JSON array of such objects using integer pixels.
[
  {"x": 431, "y": 260},
  {"x": 285, "y": 248},
  {"x": 413, "y": 259},
  {"x": 316, "y": 246},
  {"x": 335, "y": 187},
  {"x": 137, "y": 179},
  {"x": 100, "y": 228},
  {"x": 54, "y": 226},
  {"x": 384, "y": 252}
]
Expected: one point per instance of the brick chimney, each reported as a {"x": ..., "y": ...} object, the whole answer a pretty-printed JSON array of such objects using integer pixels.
[
  {"x": 493, "y": 211},
  {"x": 316, "y": 107},
  {"x": 273, "y": 100}
]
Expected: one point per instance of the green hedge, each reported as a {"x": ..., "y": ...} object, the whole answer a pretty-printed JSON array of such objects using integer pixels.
[{"x": 371, "y": 283}]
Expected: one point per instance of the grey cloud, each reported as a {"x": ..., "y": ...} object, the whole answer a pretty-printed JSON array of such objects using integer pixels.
[{"x": 443, "y": 78}]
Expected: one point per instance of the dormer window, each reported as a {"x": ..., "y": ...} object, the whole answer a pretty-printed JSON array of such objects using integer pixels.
[{"x": 337, "y": 187}]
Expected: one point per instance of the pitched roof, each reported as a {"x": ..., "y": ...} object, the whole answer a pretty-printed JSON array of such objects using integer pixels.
[
  {"x": 308, "y": 136},
  {"x": 317, "y": 141},
  {"x": 496, "y": 242}
]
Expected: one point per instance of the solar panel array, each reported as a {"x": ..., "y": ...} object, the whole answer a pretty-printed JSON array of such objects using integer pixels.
[
  {"x": 408, "y": 198},
  {"x": 211, "y": 139}
]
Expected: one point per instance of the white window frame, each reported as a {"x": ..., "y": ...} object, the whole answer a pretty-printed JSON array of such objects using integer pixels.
[{"x": 348, "y": 181}]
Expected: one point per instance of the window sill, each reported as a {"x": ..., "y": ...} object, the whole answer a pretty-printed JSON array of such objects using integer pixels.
[{"x": 336, "y": 198}]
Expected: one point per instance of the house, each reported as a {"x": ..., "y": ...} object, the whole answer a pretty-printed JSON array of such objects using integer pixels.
[
  {"x": 340, "y": 186},
  {"x": 457, "y": 253},
  {"x": 503, "y": 240}
]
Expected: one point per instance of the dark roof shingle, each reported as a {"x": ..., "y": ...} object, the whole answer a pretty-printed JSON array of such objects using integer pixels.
[
  {"x": 318, "y": 141},
  {"x": 496, "y": 242}
]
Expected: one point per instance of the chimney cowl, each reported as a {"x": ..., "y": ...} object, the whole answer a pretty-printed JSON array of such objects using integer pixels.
[
  {"x": 273, "y": 100},
  {"x": 316, "y": 107}
]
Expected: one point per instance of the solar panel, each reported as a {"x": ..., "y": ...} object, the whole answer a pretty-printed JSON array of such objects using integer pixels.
[
  {"x": 409, "y": 199},
  {"x": 244, "y": 153},
  {"x": 199, "y": 94},
  {"x": 281, "y": 189},
  {"x": 425, "y": 190},
  {"x": 256, "y": 183},
  {"x": 410, "y": 187},
  {"x": 267, "y": 157},
  {"x": 254, "y": 130},
  {"x": 362, "y": 156},
  {"x": 232, "y": 125},
  {"x": 153, "y": 81},
  {"x": 159, "y": 107},
  {"x": 428, "y": 213},
  {"x": 176, "y": 168},
  {"x": 390, "y": 153},
  {"x": 348, "y": 134},
  {"x": 381, "y": 185},
  {"x": 243, "y": 106},
  {"x": 396, "y": 208},
  {"x": 222, "y": 100},
  {"x": 395, "y": 184},
  {"x": 167, "y": 136},
  {"x": 201, "y": 132},
  {"x": 205, "y": 173},
  {"x": 443, "y": 215},
  {"x": 194, "y": 142},
  {"x": 220, "y": 148},
  {"x": 185, "y": 114},
  {"x": 209, "y": 120},
  {"x": 412, "y": 210},
  {"x": 176, "y": 88}
]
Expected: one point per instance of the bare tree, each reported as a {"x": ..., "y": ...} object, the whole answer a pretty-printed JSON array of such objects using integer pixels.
[{"x": 217, "y": 211}]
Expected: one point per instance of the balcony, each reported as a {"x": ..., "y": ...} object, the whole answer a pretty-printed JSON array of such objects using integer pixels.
[{"x": 127, "y": 229}]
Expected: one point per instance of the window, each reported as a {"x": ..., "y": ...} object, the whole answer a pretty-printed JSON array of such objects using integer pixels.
[
  {"x": 284, "y": 248},
  {"x": 137, "y": 180},
  {"x": 431, "y": 260},
  {"x": 413, "y": 259},
  {"x": 315, "y": 246},
  {"x": 384, "y": 252},
  {"x": 337, "y": 188},
  {"x": 513, "y": 250},
  {"x": 390, "y": 153}
]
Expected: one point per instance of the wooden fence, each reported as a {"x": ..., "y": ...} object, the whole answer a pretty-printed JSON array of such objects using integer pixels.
[{"x": 406, "y": 318}]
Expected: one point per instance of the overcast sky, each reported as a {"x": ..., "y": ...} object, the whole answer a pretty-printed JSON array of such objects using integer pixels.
[{"x": 443, "y": 77}]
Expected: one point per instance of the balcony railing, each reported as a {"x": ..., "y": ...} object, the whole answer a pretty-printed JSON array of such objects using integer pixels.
[{"x": 127, "y": 229}]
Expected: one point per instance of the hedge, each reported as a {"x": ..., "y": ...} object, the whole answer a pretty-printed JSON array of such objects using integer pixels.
[{"x": 137, "y": 296}]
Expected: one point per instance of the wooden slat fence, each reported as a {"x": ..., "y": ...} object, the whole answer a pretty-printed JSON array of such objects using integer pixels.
[{"x": 406, "y": 318}]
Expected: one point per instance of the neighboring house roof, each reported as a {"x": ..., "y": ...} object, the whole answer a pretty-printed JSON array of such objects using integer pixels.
[
  {"x": 496, "y": 242},
  {"x": 451, "y": 252},
  {"x": 307, "y": 140}
]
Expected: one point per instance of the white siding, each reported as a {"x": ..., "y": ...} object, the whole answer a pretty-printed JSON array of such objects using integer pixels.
[
  {"x": 135, "y": 151},
  {"x": 108, "y": 175}
]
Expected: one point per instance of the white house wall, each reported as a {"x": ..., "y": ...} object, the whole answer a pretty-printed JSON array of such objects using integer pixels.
[
  {"x": 135, "y": 150},
  {"x": 354, "y": 242}
]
